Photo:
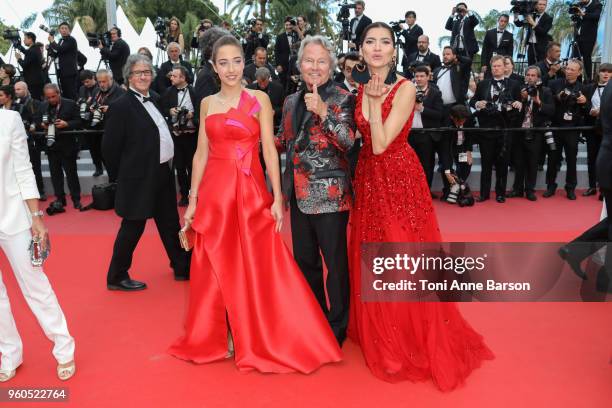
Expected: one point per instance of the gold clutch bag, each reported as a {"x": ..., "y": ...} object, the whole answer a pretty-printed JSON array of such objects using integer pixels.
[{"x": 187, "y": 237}]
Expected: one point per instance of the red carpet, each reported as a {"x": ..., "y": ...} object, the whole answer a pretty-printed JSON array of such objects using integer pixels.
[{"x": 547, "y": 354}]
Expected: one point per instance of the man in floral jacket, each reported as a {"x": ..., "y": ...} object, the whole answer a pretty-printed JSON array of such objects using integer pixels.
[{"x": 317, "y": 130}]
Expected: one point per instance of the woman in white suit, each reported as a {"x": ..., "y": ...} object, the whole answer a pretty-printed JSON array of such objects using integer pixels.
[{"x": 20, "y": 220}]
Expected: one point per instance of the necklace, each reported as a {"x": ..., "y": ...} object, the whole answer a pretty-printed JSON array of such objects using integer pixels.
[{"x": 225, "y": 102}]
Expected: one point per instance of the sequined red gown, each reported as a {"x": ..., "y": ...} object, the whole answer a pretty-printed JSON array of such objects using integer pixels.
[
  {"x": 241, "y": 270},
  {"x": 402, "y": 340}
]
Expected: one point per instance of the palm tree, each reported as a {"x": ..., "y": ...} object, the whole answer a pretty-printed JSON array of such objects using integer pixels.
[
  {"x": 563, "y": 29},
  {"x": 71, "y": 10},
  {"x": 249, "y": 7}
]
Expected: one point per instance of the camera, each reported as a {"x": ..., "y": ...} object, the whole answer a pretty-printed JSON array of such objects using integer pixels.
[
  {"x": 568, "y": 97},
  {"x": 532, "y": 90},
  {"x": 453, "y": 194},
  {"x": 549, "y": 138},
  {"x": 420, "y": 96},
  {"x": 573, "y": 7},
  {"x": 345, "y": 10},
  {"x": 160, "y": 25},
  {"x": 47, "y": 30},
  {"x": 396, "y": 26},
  {"x": 523, "y": 7},
  {"x": 49, "y": 120},
  {"x": 179, "y": 121},
  {"x": 95, "y": 39},
  {"x": 12, "y": 35},
  {"x": 84, "y": 111},
  {"x": 97, "y": 115}
]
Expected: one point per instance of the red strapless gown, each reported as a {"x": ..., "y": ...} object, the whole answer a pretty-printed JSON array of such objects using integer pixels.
[
  {"x": 241, "y": 266},
  {"x": 403, "y": 340}
]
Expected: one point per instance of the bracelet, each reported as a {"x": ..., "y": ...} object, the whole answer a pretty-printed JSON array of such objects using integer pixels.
[
  {"x": 192, "y": 195},
  {"x": 38, "y": 213}
]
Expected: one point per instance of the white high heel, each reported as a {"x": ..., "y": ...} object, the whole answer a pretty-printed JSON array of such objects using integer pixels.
[{"x": 66, "y": 371}]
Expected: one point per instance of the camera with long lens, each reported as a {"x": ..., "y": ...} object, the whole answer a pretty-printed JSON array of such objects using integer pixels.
[
  {"x": 345, "y": 10},
  {"x": 160, "y": 25},
  {"x": 97, "y": 115},
  {"x": 396, "y": 26},
  {"x": 47, "y": 30},
  {"x": 180, "y": 120},
  {"x": 453, "y": 194},
  {"x": 49, "y": 119},
  {"x": 532, "y": 90},
  {"x": 523, "y": 7},
  {"x": 549, "y": 137},
  {"x": 12, "y": 35},
  {"x": 84, "y": 111},
  {"x": 460, "y": 11},
  {"x": 95, "y": 39}
]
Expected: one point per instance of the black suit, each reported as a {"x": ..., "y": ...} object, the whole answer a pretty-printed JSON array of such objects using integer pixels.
[
  {"x": 145, "y": 188},
  {"x": 282, "y": 54},
  {"x": 587, "y": 36},
  {"x": 249, "y": 72},
  {"x": 411, "y": 37},
  {"x": 162, "y": 82},
  {"x": 495, "y": 146},
  {"x": 568, "y": 140},
  {"x": 66, "y": 52},
  {"x": 29, "y": 109},
  {"x": 593, "y": 137},
  {"x": 185, "y": 142},
  {"x": 431, "y": 59},
  {"x": 490, "y": 45},
  {"x": 277, "y": 97},
  {"x": 63, "y": 154},
  {"x": 116, "y": 55},
  {"x": 537, "y": 52},
  {"x": 470, "y": 45},
  {"x": 31, "y": 65},
  {"x": 363, "y": 23},
  {"x": 254, "y": 41},
  {"x": 423, "y": 142},
  {"x": 594, "y": 238},
  {"x": 206, "y": 82},
  {"x": 460, "y": 77},
  {"x": 526, "y": 147},
  {"x": 95, "y": 140}
]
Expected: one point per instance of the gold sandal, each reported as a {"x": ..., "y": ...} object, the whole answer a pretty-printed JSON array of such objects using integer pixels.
[{"x": 66, "y": 371}]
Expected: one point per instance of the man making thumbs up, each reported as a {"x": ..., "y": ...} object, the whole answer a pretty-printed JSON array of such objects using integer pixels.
[{"x": 316, "y": 131}]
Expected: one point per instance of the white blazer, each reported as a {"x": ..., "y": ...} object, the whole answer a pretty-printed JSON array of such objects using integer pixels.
[{"x": 17, "y": 182}]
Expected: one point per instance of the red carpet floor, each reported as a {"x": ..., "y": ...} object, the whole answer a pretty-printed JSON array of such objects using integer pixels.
[{"x": 547, "y": 354}]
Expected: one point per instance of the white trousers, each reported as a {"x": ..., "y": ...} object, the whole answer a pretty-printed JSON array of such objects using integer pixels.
[{"x": 42, "y": 301}]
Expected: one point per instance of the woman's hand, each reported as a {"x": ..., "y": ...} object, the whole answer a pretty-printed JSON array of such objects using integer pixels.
[
  {"x": 190, "y": 211},
  {"x": 375, "y": 89},
  {"x": 277, "y": 211},
  {"x": 39, "y": 231}
]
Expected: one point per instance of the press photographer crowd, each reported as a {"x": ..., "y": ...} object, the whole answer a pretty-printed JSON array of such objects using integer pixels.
[{"x": 550, "y": 104}]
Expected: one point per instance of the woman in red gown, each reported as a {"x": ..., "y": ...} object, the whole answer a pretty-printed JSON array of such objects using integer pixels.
[
  {"x": 399, "y": 340},
  {"x": 243, "y": 277}
]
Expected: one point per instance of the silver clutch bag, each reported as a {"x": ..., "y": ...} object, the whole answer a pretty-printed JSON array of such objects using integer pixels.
[{"x": 37, "y": 254}]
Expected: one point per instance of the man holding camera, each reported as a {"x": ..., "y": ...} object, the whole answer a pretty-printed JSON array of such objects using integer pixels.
[
  {"x": 58, "y": 114},
  {"x": 498, "y": 41},
  {"x": 181, "y": 109},
  {"x": 65, "y": 51},
  {"x": 462, "y": 24},
  {"x": 423, "y": 55},
  {"x": 411, "y": 32},
  {"x": 263, "y": 82},
  {"x": 572, "y": 106},
  {"x": 256, "y": 38},
  {"x": 586, "y": 18},
  {"x": 116, "y": 53},
  {"x": 551, "y": 68},
  {"x": 31, "y": 64},
  {"x": 427, "y": 114},
  {"x": 537, "y": 26},
  {"x": 593, "y": 137},
  {"x": 198, "y": 35},
  {"x": 260, "y": 60},
  {"x": 497, "y": 103},
  {"x": 538, "y": 110},
  {"x": 357, "y": 25},
  {"x": 164, "y": 80},
  {"x": 282, "y": 48}
]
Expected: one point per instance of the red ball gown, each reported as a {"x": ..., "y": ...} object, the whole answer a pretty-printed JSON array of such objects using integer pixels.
[
  {"x": 242, "y": 273},
  {"x": 403, "y": 340}
]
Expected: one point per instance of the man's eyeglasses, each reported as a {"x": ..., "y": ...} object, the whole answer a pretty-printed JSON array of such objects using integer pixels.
[{"x": 146, "y": 73}]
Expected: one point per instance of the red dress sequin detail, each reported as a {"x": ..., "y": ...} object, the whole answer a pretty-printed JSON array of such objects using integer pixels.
[{"x": 403, "y": 340}]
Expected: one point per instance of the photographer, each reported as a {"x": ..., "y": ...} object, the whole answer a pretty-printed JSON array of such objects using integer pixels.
[
  {"x": 282, "y": 48},
  {"x": 422, "y": 55},
  {"x": 411, "y": 32},
  {"x": 255, "y": 39},
  {"x": 116, "y": 53},
  {"x": 58, "y": 114},
  {"x": 104, "y": 94},
  {"x": 537, "y": 26},
  {"x": 65, "y": 51},
  {"x": 585, "y": 15},
  {"x": 571, "y": 106},
  {"x": 427, "y": 114},
  {"x": 163, "y": 80},
  {"x": 181, "y": 108},
  {"x": 551, "y": 68},
  {"x": 593, "y": 137},
  {"x": 88, "y": 86},
  {"x": 28, "y": 108},
  {"x": 497, "y": 104},
  {"x": 460, "y": 151},
  {"x": 462, "y": 24},
  {"x": 497, "y": 41},
  {"x": 357, "y": 25},
  {"x": 31, "y": 64},
  {"x": 260, "y": 60},
  {"x": 275, "y": 91},
  {"x": 538, "y": 110},
  {"x": 196, "y": 41}
]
